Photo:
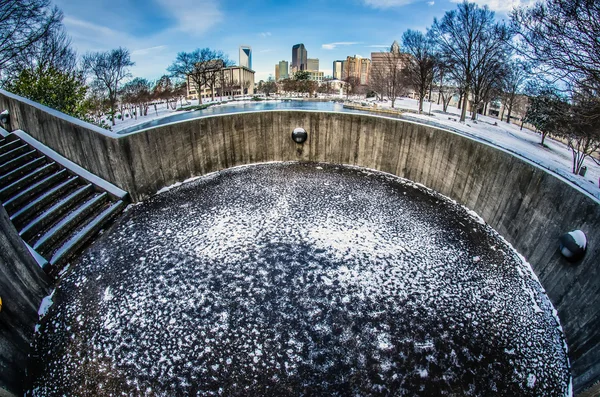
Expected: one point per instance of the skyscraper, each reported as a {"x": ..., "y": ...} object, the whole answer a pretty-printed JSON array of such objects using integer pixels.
[
  {"x": 312, "y": 64},
  {"x": 282, "y": 69},
  {"x": 338, "y": 70},
  {"x": 246, "y": 56},
  {"x": 299, "y": 57},
  {"x": 358, "y": 67}
]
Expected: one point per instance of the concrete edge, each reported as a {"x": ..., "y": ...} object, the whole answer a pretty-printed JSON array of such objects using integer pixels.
[
  {"x": 85, "y": 174},
  {"x": 59, "y": 115},
  {"x": 402, "y": 119}
]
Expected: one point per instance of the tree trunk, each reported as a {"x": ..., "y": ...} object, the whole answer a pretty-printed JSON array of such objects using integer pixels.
[
  {"x": 463, "y": 112},
  {"x": 508, "y": 115},
  {"x": 460, "y": 99}
]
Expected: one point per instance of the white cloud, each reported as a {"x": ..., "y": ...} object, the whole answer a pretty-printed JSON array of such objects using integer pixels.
[
  {"x": 264, "y": 34},
  {"x": 388, "y": 3},
  {"x": 194, "y": 17},
  {"x": 379, "y": 46},
  {"x": 500, "y": 5},
  {"x": 331, "y": 46},
  {"x": 149, "y": 50},
  {"x": 430, "y": 3},
  {"x": 79, "y": 28}
]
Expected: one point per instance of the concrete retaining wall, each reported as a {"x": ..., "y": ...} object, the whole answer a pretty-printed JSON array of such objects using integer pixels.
[
  {"x": 525, "y": 204},
  {"x": 22, "y": 286}
]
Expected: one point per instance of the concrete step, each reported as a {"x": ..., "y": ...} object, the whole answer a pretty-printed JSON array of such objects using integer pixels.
[
  {"x": 22, "y": 170},
  {"x": 7, "y": 146},
  {"x": 11, "y": 154},
  {"x": 55, "y": 233},
  {"x": 51, "y": 195},
  {"x": 26, "y": 180},
  {"x": 50, "y": 215},
  {"x": 83, "y": 235},
  {"x": 15, "y": 202},
  {"x": 17, "y": 162}
]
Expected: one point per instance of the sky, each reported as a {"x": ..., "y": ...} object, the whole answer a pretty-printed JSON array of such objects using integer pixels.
[{"x": 154, "y": 31}]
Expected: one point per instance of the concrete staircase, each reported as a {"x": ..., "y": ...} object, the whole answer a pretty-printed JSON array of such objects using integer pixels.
[{"x": 55, "y": 205}]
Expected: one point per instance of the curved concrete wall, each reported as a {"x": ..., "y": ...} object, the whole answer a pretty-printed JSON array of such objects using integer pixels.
[{"x": 525, "y": 204}]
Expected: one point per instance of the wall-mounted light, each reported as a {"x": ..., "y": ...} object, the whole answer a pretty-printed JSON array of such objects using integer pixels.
[
  {"x": 5, "y": 117},
  {"x": 299, "y": 135},
  {"x": 573, "y": 245}
]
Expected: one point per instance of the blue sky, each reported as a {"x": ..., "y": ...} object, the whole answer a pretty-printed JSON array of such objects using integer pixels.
[{"x": 154, "y": 31}]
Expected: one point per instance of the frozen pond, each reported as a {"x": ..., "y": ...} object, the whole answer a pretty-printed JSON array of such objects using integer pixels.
[
  {"x": 233, "y": 107},
  {"x": 300, "y": 279}
]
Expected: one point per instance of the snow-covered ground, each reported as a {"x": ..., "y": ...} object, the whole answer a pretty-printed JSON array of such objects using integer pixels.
[{"x": 555, "y": 156}]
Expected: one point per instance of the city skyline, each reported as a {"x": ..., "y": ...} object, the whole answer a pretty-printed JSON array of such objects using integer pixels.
[{"x": 154, "y": 34}]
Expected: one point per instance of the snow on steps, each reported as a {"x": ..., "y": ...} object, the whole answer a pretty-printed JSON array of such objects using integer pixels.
[{"x": 55, "y": 205}]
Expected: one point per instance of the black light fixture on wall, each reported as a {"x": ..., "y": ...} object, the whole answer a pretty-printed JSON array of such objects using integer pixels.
[
  {"x": 299, "y": 135},
  {"x": 573, "y": 245}
]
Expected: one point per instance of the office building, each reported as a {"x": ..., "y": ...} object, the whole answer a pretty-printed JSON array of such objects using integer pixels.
[
  {"x": 385, "y": 61},
  {"x": 338, "y": 70},
  {"x": 312, "y": 64},
  {"x": 246, "y": 56},
  {"x": 234, "y": 80},
  {"x": 358, "y": 67},
  {"x": 281, "y": 70},
  {"x": 299, "y": 58},
  {"x": 381, "y": 58},
  {"x": 315, "y": 76}
]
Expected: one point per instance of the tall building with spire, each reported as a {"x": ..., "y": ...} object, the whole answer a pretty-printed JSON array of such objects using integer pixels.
[
  {"x": 299, "y": 58},
  {"x": 381, "y": 59},
  {"x": 246, "y": 56}
]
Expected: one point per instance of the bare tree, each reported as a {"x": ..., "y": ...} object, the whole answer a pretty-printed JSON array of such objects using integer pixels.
[
  {"x": 389, "y": 77},
  {"x": 467, "y": 38},
  {"x": 446, "y": 87},
  {"x": 138, "y": 94},
  {"x": 421, "y": 65},
  {"x": 513, "y": 81},
  {"x": 52, "y": 51},
  {"x": 352, "y": 85},
  {"x": 561, "y": 37},
  {"x": 109, "y": 69},
  {"x": 23, "y": 23},
  {"x": 201, "y": 67},
  {"x": 268, "y": 87},
  {"x": 486, "y": 82},
  {"x": 163, "y": 89}
]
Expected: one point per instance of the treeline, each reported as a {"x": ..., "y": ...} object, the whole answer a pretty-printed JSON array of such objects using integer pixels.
[
  {"x": 545, "y": 61},
  {"x": 38, "y": 62}
]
